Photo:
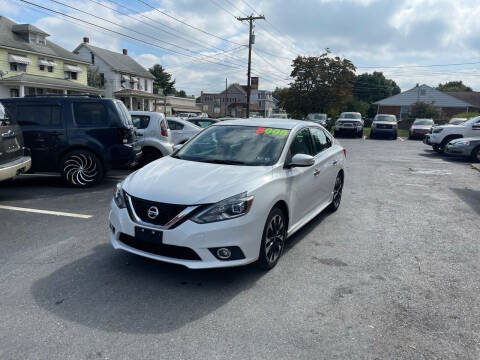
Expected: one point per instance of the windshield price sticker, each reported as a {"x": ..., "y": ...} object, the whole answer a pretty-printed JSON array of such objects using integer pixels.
[{"x": 271, "y": 131}]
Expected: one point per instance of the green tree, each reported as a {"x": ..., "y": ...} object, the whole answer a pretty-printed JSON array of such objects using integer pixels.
[
  {"x": 373, "y": 87},
  {"x": 321, "y": 84},
  {"x": 454, "y": 86},
  {"x": 424, "y": 110},
  {"x": 94, "y": 78},
  {"x": 181, "y": 94},
  {"x": 357, "y": 105},
  {"x": 163, "y": 80}
]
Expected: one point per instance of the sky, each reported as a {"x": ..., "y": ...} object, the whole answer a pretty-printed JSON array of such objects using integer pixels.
[{"x": 201, "y": 43}]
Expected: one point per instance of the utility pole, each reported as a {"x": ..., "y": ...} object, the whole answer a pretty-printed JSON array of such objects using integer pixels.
[
  {"x": 226, "y": 96},
  {"x": 251, "y": 40}
]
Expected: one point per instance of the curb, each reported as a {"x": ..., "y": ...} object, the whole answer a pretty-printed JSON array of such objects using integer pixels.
[{"x": 476, "y": 167}]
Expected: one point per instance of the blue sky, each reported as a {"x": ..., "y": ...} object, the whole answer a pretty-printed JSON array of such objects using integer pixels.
[{"x": 392, "y": 36}]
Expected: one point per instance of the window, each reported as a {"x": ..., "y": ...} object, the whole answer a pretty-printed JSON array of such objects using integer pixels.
[
  {"x": 70, "y": 75},
  {"x": 146, "y": 84},
  {"x": 173, "y": 125},
  {"x": 41, "y": 67},
  {"x": 39, "y": 115},
  {"x": 140, "y": 121},
  {"x": 102, "y": 79},
  {"x": 13, "y": 92},
  {"x": 302, "y": 144},
  {"x": 320, "y": 140},
  {"x": 18, "y": 67},
  {"x": 50, "y": 68},
  {"x": 89, "y": 114},
  {"x": 92, "y": 57}
]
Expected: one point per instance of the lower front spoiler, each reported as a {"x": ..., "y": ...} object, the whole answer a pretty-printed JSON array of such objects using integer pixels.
[{"x": 191, "y": 264}]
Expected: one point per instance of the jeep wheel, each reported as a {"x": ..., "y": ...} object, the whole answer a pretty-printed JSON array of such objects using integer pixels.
[{"x": 81, "y": 168}]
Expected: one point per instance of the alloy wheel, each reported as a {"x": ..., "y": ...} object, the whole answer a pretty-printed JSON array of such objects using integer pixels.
[
  {"x": 80, "y": 169},
  {"x": 275, "y": 238},
  {"x": 337, "y": 192}
]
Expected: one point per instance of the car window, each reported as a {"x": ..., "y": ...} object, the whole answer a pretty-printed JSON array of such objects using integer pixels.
[
  {"x": 89, "y": 114},
  {"x": 140, "y": 121},
  {"x": 39, "y": 115},
  {"x": 124, "y": 113},
  {"x": 320, "y": 140},
  {"x": 202, "y": 123},
  {"x": 174, "y": 125},
  {"x": 302, "y": 143},
  {"x": 5, "y": 116}
]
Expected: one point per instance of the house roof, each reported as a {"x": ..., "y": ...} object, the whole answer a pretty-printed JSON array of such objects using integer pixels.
[
  {"x": 11, "y": 39},
  {"x": 25, "y": 28},
  {"x": 138, "y": 93},
  {"x": 25, "y": 78},
  {"x": 424, "y": 94},
  {"x": 119, "y": 62},
  {"x": 472, "y": 97}
]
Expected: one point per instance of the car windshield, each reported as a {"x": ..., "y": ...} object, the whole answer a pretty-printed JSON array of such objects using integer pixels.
[
  {"x": 235, "y": 145},
  {"x": 385, "y": 118},
  {"x": 350, "y": 116},
  {"x": 317, "y": 117},
  {"x": 423, "y": 122}
]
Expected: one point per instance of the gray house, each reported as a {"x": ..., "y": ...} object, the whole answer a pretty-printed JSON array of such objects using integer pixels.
[
  {"x": 400, "y": 104},
  {"x": 122, "y": 77}
]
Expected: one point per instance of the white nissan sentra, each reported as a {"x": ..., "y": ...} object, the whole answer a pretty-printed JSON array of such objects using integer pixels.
[{"x": 231, "y": 195}]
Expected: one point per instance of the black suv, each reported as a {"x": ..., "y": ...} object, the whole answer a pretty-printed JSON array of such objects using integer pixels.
[{"x": 79, "y": 136}]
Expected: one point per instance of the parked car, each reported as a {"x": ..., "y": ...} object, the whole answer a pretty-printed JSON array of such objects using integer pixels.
[
  {"x": 384, "y": 124},
  {"x": 185, "y": 115},
  {"x": 419, "y": 128},
  {"x": 464, "y": 147},
  {"x": 231, "y": 196},
  {"x": 14, "y": 157},
  {"x": 202, "y": 122},
  {"x": 349, "y": 122},
  {"x": 442, "y": 135},
  {"x": 278, "y": 116},
  {"x": 79, "y": 136},
  {"x": 181, "y": 130},
  {"x": 457, "y": 121},
  {"x": 318, "y": 118},
  {"x": 153, "y": 135}
]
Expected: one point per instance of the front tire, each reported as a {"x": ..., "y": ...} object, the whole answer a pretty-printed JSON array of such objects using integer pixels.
[
  {"x": 436, "y": 148},
  {"x": 273, "y": 239},
  {"x": 337, "y": 193},
  {"x": 372, "y": 135},
  {"x": 476, "y": 155},
  {"x": 82, "y": 168}
]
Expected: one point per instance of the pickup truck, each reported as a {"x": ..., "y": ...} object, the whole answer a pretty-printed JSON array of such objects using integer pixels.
[
  {"x": 440, "y": 136},
  {"x": 14, "y": 158}
]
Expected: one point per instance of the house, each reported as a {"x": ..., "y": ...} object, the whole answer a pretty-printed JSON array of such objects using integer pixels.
[
  {"x": 472, "y": 97},
  {"x": 32, "y": 65},
  {"x": 122, "y": 77},
  {"x": 175, "y": 105},
  {"x": 400, "y": 104},
  {"x": 233, "y": 102}
]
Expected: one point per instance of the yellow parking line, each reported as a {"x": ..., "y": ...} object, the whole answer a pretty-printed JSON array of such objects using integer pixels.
[{"x": 47, "y": 212}]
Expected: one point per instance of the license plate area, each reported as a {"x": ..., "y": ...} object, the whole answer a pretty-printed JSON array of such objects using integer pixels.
[{"x": 148, "y": 235}]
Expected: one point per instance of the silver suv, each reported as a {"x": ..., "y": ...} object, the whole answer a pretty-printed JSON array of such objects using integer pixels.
[
  {"x": 152, "y": 134},
  {"x": 349, "y": 122},
  {"x": 384, "y": 125}
]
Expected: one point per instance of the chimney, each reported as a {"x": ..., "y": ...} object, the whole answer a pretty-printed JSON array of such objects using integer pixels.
[
  {"x": 86, "y": 40},
  {"x": 125, "y": 52}
]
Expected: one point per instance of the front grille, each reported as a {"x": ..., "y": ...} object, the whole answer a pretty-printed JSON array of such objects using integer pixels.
[
  {"x": 348, "y": 123},
  {"x": 384, "y": 126},
  {"x": 166, "y": 212},
  {"x": 171, "y": 251}
]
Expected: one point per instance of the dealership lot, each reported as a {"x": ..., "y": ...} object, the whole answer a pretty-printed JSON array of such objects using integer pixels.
[{"x": 393, "y": 274}]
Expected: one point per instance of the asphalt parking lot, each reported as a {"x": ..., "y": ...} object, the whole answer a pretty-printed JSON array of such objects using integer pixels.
[{"x": 394, "y": 273}]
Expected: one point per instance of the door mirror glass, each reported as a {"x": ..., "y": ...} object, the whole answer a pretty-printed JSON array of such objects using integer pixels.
[{"x": 302, "y": 160}]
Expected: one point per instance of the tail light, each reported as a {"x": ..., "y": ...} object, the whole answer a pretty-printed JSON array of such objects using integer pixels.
[
  {"x": 164, "y": 132},
  {"x": 164, "y": 129},
  {"x": 124, "y": 135},
  {"x": 345, "y": 152}
]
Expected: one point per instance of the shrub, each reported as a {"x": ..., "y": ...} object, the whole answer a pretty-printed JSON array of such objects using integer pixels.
[{"x": 466, "y": 115}]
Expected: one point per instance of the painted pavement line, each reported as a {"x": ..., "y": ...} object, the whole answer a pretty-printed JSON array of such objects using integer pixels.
[{"x": 46, "y": 212}]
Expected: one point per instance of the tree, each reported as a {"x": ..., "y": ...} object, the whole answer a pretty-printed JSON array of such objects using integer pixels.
[
  {"x": 94, "y": 78},
  {"x": 321, "y": 84},
  {"x": 423, "y": 110},
  {"x": 374, "y": 87},
  {"x": 163, "y": 80},
  {"x": 454, "y": 86},
  {"x": 357, "y": 105},
  {"x": 181, "y": 94}
]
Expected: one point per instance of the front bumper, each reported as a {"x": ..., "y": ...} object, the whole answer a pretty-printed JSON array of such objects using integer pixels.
[
  {"x": 432, "y": 139},
  {"x": 348, "y": 128},
  {"x": 11, "y": 169},
  {"x": 458, "y": 150},
  {"x": 244, "y": 232},
  {"x": 383, "y": 130}
]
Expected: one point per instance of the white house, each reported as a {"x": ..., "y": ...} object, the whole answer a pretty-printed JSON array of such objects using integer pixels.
[{"x": 122, "y": 77}]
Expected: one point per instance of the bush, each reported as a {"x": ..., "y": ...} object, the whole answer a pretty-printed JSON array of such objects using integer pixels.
[{"x": 466, "y": 115}]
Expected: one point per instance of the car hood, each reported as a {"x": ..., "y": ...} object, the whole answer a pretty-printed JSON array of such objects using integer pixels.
[
  {"x": 449, "y": 126},
  {"x": 425, "y": 127},
  {"x": 177, "y": 181},
  {"x": 384, "y": 123},
  {"x": 355, "y": 120}
]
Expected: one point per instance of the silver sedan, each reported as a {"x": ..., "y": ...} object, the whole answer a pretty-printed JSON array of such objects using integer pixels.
[{"x": 464, "y": 147}]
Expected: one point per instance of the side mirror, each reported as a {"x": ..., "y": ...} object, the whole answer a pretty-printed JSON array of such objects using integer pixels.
[
  {"x": 177, "y": 147},
  {"x": 302, "y": 160}
]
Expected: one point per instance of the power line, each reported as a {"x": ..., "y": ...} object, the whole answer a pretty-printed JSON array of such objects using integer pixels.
[
  {"x": 414, "y": 66},
  {"x": 221, "y": 7}
]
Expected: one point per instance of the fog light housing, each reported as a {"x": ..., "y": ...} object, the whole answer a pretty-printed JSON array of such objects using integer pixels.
[{"x": 224, "y": 254}]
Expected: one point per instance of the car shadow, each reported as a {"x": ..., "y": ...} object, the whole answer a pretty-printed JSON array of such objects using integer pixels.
[
  {"x": 471, "y": 197},
  {"x": 119, "y": 292},
  {"x": 434, "y": 155},
  {"x": 305, "y": 230}
]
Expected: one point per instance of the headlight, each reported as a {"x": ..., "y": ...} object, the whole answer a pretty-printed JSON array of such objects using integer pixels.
[
  {"x": 229, "y": 208},
  {"x": 119, "y": 196},
  {"x": 460, "y": 142},
  {"x": 437, "y": 130}
]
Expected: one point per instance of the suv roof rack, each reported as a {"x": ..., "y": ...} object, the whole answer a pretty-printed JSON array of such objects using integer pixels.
[{"x": 65, "y": 95}]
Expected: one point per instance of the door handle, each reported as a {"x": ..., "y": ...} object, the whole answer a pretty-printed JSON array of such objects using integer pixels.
[
  {"x": 316, "y": 172},
  {"x": 8, "y": 134},
  {"x": 334, "y": 162}
]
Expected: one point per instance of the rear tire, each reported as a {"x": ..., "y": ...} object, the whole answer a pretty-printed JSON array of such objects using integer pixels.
[
  {"x": 337, "y": 193},
  {"x": 476, "y": 155},
  {"x": 395, "y": 136},
  {"x": 372, "y": 135},
  {"x": 273, "y": 239},
  {"x": 82, "y": 168}
]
